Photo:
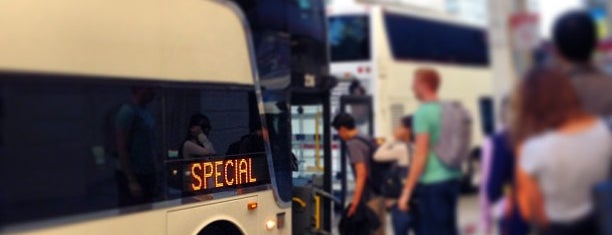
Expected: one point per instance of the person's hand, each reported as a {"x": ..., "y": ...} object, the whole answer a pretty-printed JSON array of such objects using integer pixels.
[
  {"x": 135, "y": 189},
  {"x": 402, "y": 203},
  {"x": 390, "y": 203},
  {"x": 352, "y": 210}
]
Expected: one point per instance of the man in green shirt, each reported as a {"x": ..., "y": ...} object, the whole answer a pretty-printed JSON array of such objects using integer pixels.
[{"x": 438, "y": 185}]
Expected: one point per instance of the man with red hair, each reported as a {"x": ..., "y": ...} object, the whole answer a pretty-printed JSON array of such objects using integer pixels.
[{"x": 438, "y": 185}]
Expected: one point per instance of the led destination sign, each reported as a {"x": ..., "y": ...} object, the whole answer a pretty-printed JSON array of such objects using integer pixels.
[
  {"x": 224, "y": 173},
  {"x": 213, "y": 175}
]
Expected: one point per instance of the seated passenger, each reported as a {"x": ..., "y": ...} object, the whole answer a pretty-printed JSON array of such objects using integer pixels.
[{"x": 196, "y": 143}]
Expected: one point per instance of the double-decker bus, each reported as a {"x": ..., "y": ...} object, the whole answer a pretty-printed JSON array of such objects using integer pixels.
[
  {"x": 133, "y": 117},
  {"x": 381, "y": 46}
]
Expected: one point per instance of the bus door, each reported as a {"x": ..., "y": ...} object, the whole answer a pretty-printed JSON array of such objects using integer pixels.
[
  {"x": 311, "y": 147},
  {"x": 361, "y": 108}
]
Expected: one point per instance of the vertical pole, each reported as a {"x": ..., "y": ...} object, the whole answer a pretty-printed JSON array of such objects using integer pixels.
[
  {"x": 500, "y": 51},
  {"x": 343, "y": 171},
  {"x": 327, "y": 158}
]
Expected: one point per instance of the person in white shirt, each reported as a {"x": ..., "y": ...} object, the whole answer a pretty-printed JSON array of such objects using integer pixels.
[
  {"x": 564, "y": 148},
  {"x": 398, "y": 151},
  {"x": 196, "y": 143}
]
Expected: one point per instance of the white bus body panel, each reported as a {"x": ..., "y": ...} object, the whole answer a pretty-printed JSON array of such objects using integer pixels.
[
  {"x": 187, "y": 219},
  {"x": 170, "y": 39}
]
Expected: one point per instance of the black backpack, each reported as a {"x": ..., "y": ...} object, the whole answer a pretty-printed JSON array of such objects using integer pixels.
[{"x": 377, "y": 171}]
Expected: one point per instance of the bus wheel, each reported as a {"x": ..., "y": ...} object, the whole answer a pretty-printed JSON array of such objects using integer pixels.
[{"x": 221, "y": 227}]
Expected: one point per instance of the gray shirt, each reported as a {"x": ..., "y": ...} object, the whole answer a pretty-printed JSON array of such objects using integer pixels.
[
  {"x": 359, "y": 152},
  {"x": 567, "y": 166},
  {"x": 594, "y": 89}
]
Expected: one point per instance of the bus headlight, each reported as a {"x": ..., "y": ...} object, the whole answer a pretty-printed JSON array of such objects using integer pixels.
[{"x": 270, "y": 225}]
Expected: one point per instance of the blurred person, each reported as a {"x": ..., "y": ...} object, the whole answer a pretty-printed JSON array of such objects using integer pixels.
[
  {"x": 563, "y": 149},
  {"x": 575, "y": 40},
  {"x": 498, "y": 161},
  {"x": 196, "y": 142},
  {"x": 356, "y": 88},
  {"x": 397, "y": 151},
  {"x": 134, "y": 127},
  {"x": 360, "y": 156},
  {"x": 438, "y": 185}
]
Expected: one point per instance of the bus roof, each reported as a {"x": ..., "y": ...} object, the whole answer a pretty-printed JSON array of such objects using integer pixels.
[{"x": 184, "y": 40}]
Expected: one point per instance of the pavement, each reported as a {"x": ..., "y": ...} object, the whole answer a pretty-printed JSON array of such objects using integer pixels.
[{"x": 469, "y": 216}]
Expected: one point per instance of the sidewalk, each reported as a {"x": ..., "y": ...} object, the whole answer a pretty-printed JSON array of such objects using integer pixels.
[{"x": 468, "y": 217}]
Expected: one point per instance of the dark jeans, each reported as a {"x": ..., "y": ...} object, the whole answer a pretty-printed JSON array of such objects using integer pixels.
[
  {"x": 513, "y": 224},
  {"x": 584, "y": 226},
  {"x": 437, "y": 208},
  {"x": 402, "y": 221}
]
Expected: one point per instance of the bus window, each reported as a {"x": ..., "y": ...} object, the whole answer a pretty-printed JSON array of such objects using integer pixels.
[
  {"x": 308, "y": 36},
  {"x": 66, "y": 141},
  {"x": 203, "y": 125},
  {"x": 349, "y": 38},
  {"x": 413, "y": 38}
]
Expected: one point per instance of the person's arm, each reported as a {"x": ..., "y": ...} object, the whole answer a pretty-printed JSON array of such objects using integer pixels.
[
  {"x": 417, "y": 167},
  {"x": 125, "y": 117},
  {"x": 123, "y": 125},
  {"x": 358, "y": 153},
  {"x": 500, "y": 169},
  {"x": 361, "y": 174},
  {"x": 391, "y": 151},
  {"x": 121, "y": 137},
  {"x": 531, "y": 200},
  {"x": 193, "y": 149},
  {"x": 485, "y": 205},
  {"x": 207, "y": 144}
]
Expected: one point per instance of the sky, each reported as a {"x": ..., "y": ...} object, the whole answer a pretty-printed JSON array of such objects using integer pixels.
[{"x": 550, "y": 9}]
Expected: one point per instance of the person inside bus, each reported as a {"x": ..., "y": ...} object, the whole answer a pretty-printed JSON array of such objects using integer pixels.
[
  {"x": 399, "y": 151},
  {"x": 356, "y": 88},
  {"x": 564, "y": 150},
  {"x": 134, "y": 127},
  {"x": 438, "y": 185},
  {"x": 575, "y": 40},
  {"x": 196, "y": 143},
  {"x": 359, "y": 154}
]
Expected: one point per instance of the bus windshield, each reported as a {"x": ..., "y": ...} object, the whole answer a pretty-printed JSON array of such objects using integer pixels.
[{"x": 349, "y": 38}]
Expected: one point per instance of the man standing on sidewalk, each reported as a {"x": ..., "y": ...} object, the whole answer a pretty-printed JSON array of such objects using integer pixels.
[{"x": 438, "y": 185}]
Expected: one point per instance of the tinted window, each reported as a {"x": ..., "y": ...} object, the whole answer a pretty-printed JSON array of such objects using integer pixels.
[
  {"x": 308, "y": 35},
  {"x": 349, "y": 38},
  {"x": 74, "y": 145},
  {"x": 487, "y": 115},
  {"x": 413, "y": 38}
]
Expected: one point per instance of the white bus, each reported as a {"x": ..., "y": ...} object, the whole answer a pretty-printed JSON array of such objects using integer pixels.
[
  {"x": 98, "y": 102},
  {"x": 381, "y": 46}
]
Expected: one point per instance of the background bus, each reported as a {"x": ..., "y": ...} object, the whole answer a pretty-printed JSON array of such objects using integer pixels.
[
  {"x": 78, "y": 80},
  {"x": 381, "y": 46}
]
